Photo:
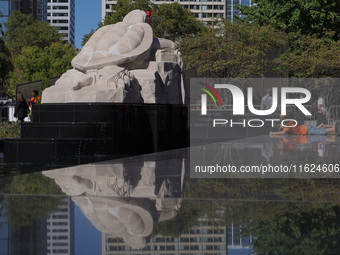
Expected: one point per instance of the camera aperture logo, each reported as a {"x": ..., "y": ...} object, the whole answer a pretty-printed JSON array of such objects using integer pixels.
[
  {"x": 204, "y": 97},
  {"x": 238, "y": 105}
]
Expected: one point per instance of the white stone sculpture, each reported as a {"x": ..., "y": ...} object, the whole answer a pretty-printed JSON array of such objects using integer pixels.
[{"x": 123, "y": 63}]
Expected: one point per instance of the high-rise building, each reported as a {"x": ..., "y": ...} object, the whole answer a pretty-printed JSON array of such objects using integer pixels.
[
  {"x": 5, "y": 8},
  {"x": 204, "y": 10},
  {"x": 208, "y": 237},
  {"x": 36, "y": 8},
  {"x": 60, "y": 229},
  {"x": 27, "y": 239},
  {"x": 232, "y": 10},
  {"x": 107, "y": 7},
  {"x": 61, "y": 14},
  {"x": 54, "y": 235}
]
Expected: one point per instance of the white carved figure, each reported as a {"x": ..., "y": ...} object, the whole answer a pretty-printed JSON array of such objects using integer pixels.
[{"x": 123, "y": 63}]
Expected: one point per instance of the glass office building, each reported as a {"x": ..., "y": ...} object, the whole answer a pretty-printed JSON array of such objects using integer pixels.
[{"x": 36, "y": 8}]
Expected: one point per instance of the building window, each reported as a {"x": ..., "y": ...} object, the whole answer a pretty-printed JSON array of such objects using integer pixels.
[
  {"x": 60, "y": 14},
  {"x": 60, "y": 7}
]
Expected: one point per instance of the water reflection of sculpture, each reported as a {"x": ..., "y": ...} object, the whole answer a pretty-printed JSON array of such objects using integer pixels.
[{"x": 124, "y": 199}]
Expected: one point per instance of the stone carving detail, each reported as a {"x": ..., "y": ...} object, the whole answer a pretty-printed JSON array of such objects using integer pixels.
[
  {"x": 116, "y": 180},
  {"x": 123, "y": 63},
  {"x": 122, "y": 218},
  {"x": 124, "y": 199}
]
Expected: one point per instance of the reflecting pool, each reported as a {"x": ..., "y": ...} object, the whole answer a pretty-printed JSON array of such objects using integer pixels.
[{"x": 151, "y": 204}]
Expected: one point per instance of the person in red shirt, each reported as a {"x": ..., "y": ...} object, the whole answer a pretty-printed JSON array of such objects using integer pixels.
[{"x": 35, "y": 99}]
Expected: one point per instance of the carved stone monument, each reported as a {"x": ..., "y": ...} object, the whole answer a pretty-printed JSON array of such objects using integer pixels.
[
  {"x": 124, "y": 96},
  {"x": 123, "y": 63}
]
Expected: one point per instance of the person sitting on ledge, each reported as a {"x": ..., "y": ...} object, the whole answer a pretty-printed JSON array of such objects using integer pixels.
[{"x": 305, "y": 129}]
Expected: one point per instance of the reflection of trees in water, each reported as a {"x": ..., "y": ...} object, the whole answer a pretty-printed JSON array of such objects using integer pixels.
[
  {"x": 186, "y": 218},
  {"x": 284, "y": 190},
  {"x": 5, "y": 184},
  {"x": 297, "y": 150},
  {"x": 298, "y": 230},
  {"x": 23, "y": 209},
  {"x": 277, "y": 228},
  {"x": 286, "y": 216}
]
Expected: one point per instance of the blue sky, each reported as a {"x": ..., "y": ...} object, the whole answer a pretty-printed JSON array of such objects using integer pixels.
[
  {"x": 88, "y": 240},
  {"x": 88, "y": 15}
]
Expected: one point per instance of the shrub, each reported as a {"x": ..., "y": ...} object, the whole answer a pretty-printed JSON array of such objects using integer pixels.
[{"x": 9, "y": 130}]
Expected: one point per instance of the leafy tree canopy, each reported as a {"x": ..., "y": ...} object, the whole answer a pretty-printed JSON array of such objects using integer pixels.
[
  {"x": 311, "y": 56},
  {"x": 23, "y": 210},
  {"x": 123, "y": 7},
  {"x": 23, "y": 30},
  {"x": 234, "y": 50},
  {"x": 172, "y": 22},
  {"x": 86, "y": 37},
  {"x": 298, "y": 231},
  {"x": 168, "y": 21},
  {"x": 187, "y": 217},
  {"x": 5, "y": 65},
  {"x": 296, "y": 16},
  {"x": 35, "y": 63}
]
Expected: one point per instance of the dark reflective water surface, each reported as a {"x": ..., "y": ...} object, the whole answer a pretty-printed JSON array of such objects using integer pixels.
[{"x": 149, "y": 205}]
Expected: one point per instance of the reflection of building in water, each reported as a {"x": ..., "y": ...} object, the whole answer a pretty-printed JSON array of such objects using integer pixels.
[
  {"x": 60, "y": 229},
  {"x": 28, "y": 240},
  {"x": 206, "y": 238},
  {"x": 236, "y": 241},
  {"x": 4, "y": 232},
  {"x": 54, "y": 235}
]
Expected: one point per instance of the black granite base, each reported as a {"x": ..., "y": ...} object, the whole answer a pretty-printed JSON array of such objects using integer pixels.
[{"x": 61, "y": 133}]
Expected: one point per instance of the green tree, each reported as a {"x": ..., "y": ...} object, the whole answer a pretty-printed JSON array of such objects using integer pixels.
[
  {"x": 298, "y": 231},
  {"x": 5, "y": 63},
  {"x": 311, "y": 56},
  {"x": 187, "y": 217},
  {"x": 40, "y": 64},
  {"x": 10, "y": 130},
  {"x": 123, "y": 7},
  {"x": 24, "y": 209},
  {"x": 234, "y": 50},
  {"x": 172, "y": 22},
  {"x": 168, "y": 21},
  {"x": 23, "y": 30},
  {"x": 296, "y": 16},
  {"x": 86, "y": 37}
]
